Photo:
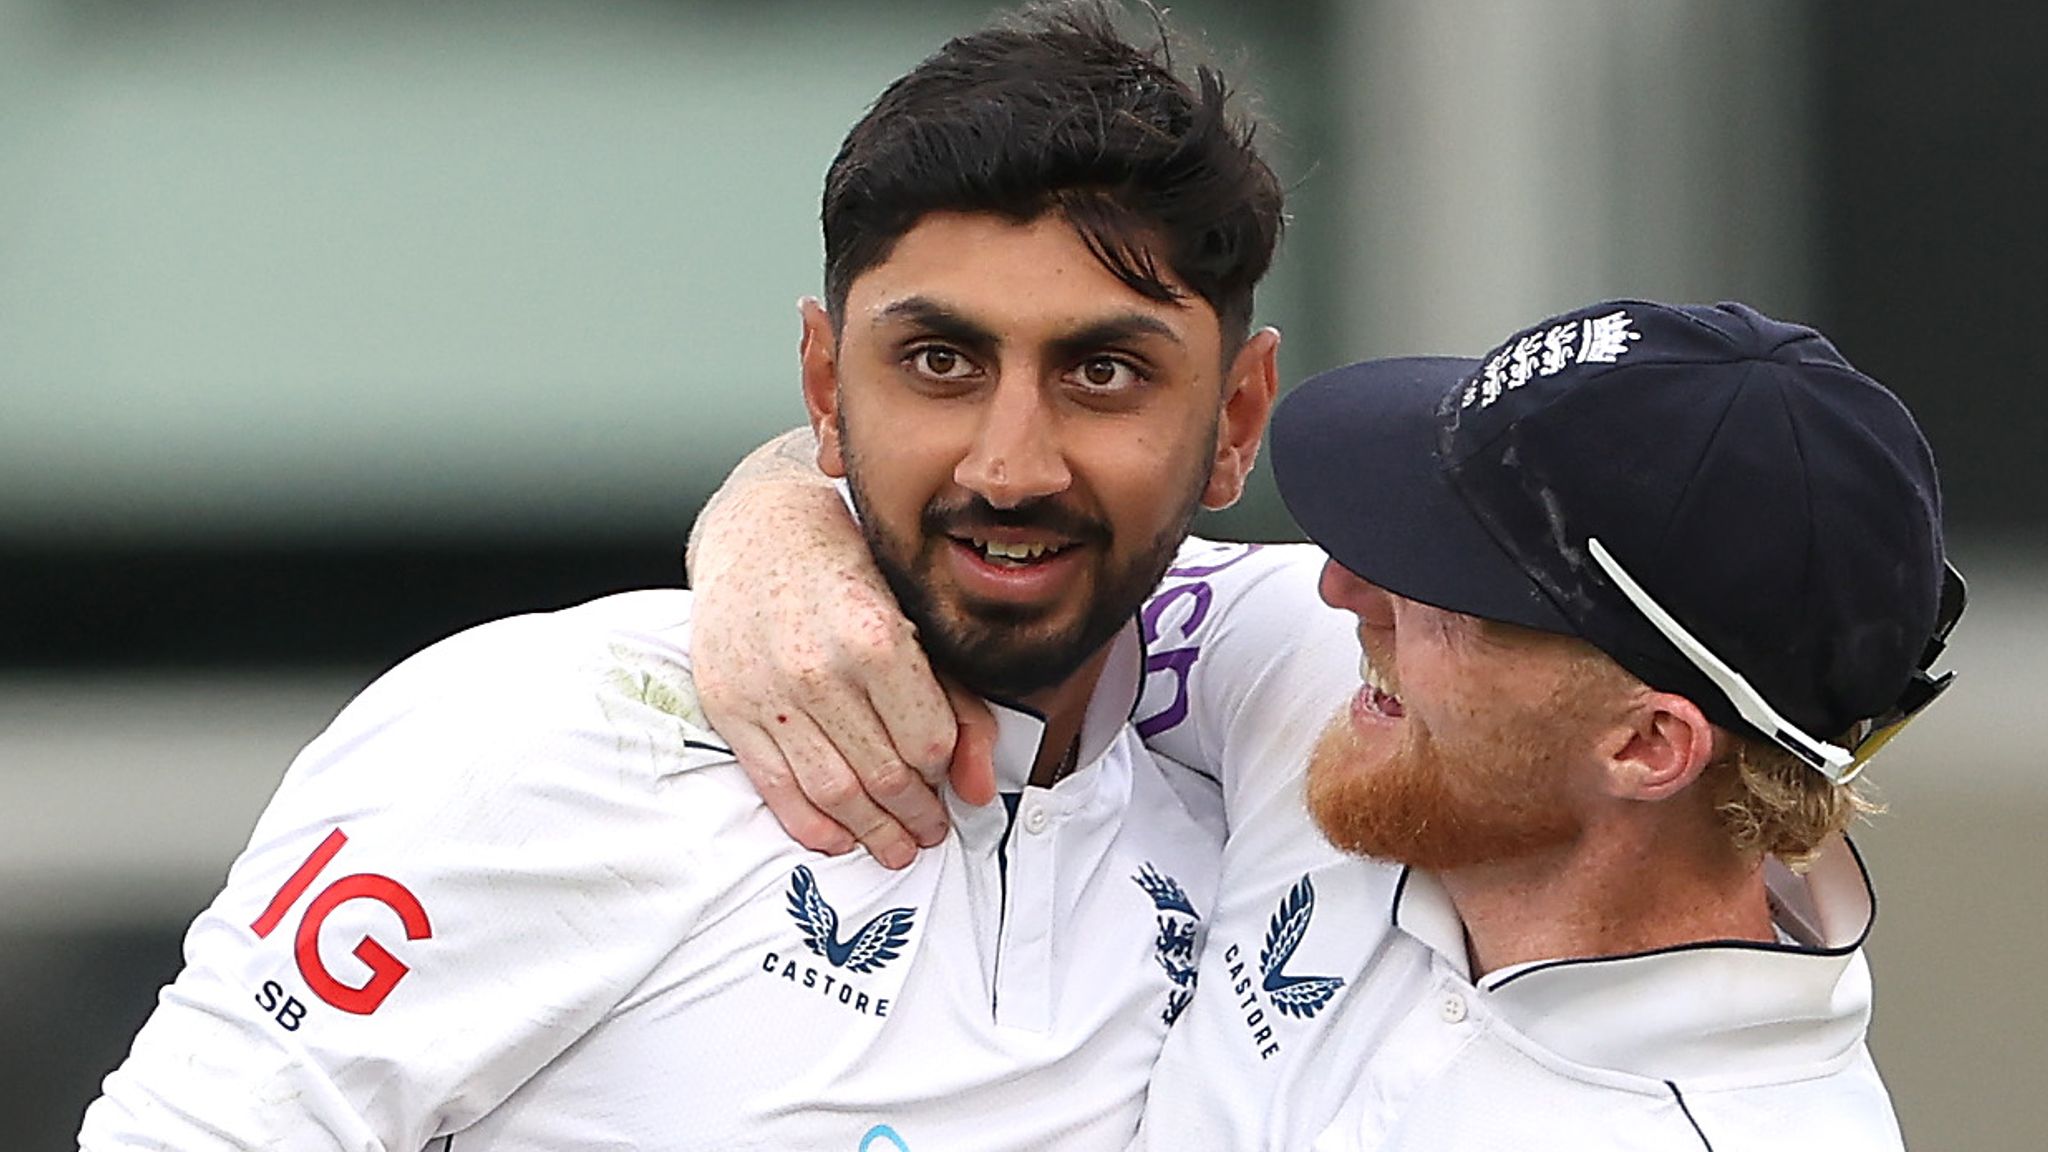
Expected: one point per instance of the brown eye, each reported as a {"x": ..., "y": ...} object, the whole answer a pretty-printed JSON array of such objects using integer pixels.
[
  {"x": 939, "y": 363},
  {"x": 1106, "y": 374}
]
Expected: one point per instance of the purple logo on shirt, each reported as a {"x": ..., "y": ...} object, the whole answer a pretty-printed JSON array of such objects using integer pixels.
[{"x": 1171, "y": 618}]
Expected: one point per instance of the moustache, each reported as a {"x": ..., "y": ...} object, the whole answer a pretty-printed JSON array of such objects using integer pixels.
[{"x": 1041, "y": 514}]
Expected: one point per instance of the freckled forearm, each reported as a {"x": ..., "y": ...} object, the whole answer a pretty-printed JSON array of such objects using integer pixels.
[{"x": 777, "y": 482}]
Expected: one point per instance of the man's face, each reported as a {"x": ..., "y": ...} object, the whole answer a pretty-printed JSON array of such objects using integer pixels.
[
  {"x": 1026, "y": 438},
  {"x": 1470, "y": 743}
]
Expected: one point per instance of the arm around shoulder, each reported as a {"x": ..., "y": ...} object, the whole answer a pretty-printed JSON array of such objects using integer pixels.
[{"x": 807, "y": 665}]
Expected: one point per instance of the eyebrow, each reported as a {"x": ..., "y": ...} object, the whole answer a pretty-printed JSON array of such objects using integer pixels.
[
  {"x": 1109, "y": 330},
  {"x": 925, "y": 312}
]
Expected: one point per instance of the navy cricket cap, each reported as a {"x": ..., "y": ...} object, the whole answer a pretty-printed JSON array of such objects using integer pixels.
[{"x": 1779, "y": 504}]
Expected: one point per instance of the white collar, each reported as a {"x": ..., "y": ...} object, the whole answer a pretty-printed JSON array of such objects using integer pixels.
[
  {"x": 1695, "y": 1010},
  {"x": 1019, "y": 729}
]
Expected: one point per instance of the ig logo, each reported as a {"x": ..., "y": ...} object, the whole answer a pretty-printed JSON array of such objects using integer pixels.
[{"x": 386, "y": 970}]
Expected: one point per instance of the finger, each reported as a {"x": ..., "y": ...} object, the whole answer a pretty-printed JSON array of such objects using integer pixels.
[
  {"x": 905, "y": 794},
  {"x": 831, "y": 784},
  {"x": 915, "y": 712},
  {"x": 900, "y": 790},
  {"x": 973, "y": 767},
  {"x": 763, "y": 763},
  {"x": 848, "y": 717},
  {"x": 906, "y": 774}
]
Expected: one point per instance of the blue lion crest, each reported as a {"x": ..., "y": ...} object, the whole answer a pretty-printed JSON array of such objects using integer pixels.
[{"x": 1180, "y": 929}]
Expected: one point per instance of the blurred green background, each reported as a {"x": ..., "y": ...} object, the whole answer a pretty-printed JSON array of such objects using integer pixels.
[{"x": 329, "y": 329}]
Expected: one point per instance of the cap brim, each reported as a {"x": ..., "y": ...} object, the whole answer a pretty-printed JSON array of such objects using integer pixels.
[{"x": 1355, "y": 456}]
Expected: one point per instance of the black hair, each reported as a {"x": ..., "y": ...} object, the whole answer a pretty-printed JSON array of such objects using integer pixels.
[{"x": 1052, "y": 109}]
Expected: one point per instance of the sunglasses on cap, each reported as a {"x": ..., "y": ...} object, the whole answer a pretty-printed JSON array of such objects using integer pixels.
[{"x": 1839, "y": 764}]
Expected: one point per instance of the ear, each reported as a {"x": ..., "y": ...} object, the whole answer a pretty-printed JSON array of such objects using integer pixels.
[
  {"x": 818, "y": 356},
  {"x": 1249, "y": 390},
  {"x": 1660, "y": 747}
]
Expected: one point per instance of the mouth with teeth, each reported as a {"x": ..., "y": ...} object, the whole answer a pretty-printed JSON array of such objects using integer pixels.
[
  {"x": 1001, "y": 568},
  {"x": 1013, "y": 554},
  {"x": 1023, "y": 559},
  {"x": 1376, "y": 699}
]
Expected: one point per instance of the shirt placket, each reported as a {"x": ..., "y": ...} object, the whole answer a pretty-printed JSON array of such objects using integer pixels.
[{"x": 1024, "y": 970}]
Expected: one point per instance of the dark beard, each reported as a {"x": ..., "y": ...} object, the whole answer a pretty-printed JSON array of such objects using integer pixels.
[{"x": 1007, "y": 651}]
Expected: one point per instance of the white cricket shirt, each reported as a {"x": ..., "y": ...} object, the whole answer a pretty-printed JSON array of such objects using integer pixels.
[
  {"x": 518, "y": 896},
  {"x": 1335, "y": 1009}
]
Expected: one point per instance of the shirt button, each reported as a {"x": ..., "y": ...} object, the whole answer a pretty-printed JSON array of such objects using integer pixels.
[
  {"x": 1035, "y": 820},
  {"x": 1452, "y": 1009}
]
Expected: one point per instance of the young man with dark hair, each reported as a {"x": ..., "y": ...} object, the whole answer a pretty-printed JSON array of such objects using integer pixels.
[
  {"x": 519, "y": 896},
  {"x": 1634, "y": 598}
]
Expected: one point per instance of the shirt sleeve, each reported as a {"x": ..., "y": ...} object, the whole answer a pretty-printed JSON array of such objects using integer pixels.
[
  {"x": 1244, "y": 664},
  {"x": 431, "y": 908}
]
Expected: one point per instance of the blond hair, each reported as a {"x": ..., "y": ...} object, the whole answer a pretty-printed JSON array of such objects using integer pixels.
[{"x": 1773, "y": 804}]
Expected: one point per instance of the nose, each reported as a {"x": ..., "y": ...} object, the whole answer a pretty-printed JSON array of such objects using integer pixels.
[
  {"x": 1016, "y": 455},
  {"x": 1340, "y": 587}
]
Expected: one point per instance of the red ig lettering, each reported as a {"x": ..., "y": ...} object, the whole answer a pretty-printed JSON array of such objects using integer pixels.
[{"x": 386, "y": 970}]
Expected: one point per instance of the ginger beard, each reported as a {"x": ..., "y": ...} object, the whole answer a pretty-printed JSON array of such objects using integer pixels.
[{"x": 1495, "y": 788}]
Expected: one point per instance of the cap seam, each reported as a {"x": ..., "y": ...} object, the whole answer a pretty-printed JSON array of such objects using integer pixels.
[
  {"x": 1721, "y": 335},
  {"x": 1685, "y": 495},
  {"x": 1806, "y": 565},
  {"x": 1809, "y": 544},
  {"x": 1693, "y": 476}
]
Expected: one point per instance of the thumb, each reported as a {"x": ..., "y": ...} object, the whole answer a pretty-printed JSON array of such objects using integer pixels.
[{"x": 973, "y": 770}]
